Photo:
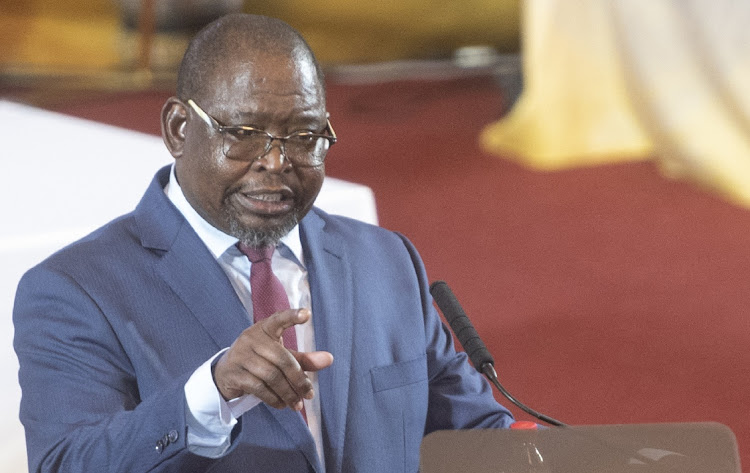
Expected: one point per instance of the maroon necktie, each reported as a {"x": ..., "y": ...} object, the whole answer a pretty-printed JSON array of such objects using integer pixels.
[{"x": 267, "y": 293}]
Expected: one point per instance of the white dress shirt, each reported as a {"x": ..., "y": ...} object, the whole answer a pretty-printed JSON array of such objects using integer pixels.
[{"x": 210, "y": 419}]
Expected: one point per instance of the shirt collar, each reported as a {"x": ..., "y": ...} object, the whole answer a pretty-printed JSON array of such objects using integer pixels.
[{"x": 217, "y": 241}]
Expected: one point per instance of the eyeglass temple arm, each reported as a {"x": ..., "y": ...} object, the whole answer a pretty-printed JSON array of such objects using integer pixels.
[
  {"x": 204, "y": 116},
  {"x": 330, "y": 128}
]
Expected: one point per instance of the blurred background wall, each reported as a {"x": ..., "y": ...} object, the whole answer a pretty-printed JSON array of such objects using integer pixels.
[{"x": 604, "y": 81}]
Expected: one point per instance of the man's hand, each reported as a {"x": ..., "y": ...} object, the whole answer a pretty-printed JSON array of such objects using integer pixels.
[{"x": 257, "y": 363}]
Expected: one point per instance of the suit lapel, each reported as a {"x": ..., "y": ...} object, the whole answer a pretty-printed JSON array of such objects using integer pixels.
[
  {"x": 332, "y": 309},
  {"x": 196, "y": 277},
  {"x": 187, "y": 266}
]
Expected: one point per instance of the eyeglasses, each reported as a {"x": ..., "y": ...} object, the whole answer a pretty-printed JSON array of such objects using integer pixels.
[{"x": 246, "y": 143}]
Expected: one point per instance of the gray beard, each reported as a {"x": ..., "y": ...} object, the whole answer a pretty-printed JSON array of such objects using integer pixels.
[{"x": 257, "y": 238}]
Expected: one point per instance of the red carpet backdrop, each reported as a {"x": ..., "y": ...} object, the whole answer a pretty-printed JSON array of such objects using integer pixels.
[{"x": 607, "y": 294}]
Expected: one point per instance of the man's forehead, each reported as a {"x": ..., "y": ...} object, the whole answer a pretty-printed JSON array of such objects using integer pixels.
[
  {"x": 264, "y": 92},
  {"x": 267, "y": 69}
]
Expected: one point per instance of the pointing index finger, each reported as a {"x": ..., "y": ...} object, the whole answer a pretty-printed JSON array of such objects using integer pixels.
[{"x": 275, "y": 325}]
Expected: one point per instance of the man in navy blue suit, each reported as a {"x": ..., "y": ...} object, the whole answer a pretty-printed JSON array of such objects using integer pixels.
[{"x": 137, "y": 346}]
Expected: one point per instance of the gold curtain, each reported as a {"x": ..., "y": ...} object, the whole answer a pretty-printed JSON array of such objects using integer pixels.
[
  {"x": 343, "y": 31},
  {"x": 89, "y": 34},
  {"x": 621, "y": 80},
  {"x": 61, "y": 34}
]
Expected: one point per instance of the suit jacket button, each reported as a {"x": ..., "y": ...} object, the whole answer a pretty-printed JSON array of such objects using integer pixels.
[
  {"x": 159, "y": 446},
  {"x": 173, "y": 436}
]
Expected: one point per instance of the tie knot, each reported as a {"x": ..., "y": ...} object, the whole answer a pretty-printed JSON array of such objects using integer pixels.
[{"x": 256, "y": 255}]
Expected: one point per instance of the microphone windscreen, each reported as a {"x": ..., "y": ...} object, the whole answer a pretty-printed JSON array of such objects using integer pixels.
[{"x": 461, "y": 325}]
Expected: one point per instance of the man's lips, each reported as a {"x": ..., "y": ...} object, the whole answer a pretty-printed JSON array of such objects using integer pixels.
[{"x": 267, "y": 201}]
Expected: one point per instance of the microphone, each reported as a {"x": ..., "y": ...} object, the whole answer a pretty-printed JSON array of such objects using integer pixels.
[
  {"x": 461, "y": 325},
  {"x": 473, "y": 345}
]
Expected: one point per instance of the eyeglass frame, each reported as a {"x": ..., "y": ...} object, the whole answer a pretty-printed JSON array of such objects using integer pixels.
[{"x": 224, "y": 129}]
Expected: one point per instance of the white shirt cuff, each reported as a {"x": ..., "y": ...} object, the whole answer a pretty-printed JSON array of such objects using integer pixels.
[{"x": 209, "y": 418}]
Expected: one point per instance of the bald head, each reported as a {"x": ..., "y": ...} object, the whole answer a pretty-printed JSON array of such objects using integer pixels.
[{"x": 233, "y": 37}]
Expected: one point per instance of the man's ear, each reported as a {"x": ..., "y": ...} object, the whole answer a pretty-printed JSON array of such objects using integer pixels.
[{"x": 173, "y": 124}]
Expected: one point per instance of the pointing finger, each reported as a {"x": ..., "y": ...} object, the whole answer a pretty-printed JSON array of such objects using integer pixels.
[
  {"x": 275, "y": 325},
  {"x": 314, "y": 361}
]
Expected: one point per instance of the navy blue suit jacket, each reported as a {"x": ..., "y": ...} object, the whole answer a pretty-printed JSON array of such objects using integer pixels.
[{"x": 108, "y": 330}]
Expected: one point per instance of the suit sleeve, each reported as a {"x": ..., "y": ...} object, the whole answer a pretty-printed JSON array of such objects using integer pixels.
[
  {"x": 81, "y": 406},
  {"x": 459, "y": 397}
]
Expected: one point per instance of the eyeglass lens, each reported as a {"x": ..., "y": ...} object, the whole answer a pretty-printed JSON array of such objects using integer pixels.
[{"x": 299, "y": 149}]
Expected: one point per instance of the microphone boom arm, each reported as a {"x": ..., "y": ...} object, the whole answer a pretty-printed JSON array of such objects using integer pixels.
[{"x": 489, "y": 371}]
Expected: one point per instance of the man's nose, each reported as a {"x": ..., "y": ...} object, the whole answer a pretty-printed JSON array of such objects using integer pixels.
[{"x": 275, "y": 159}]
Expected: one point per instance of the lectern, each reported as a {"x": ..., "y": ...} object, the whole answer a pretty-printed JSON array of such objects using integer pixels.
[{"x": 643, "y": 448}]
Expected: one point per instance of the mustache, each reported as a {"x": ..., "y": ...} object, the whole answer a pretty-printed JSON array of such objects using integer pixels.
[{"x": 260, "y": 188}]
